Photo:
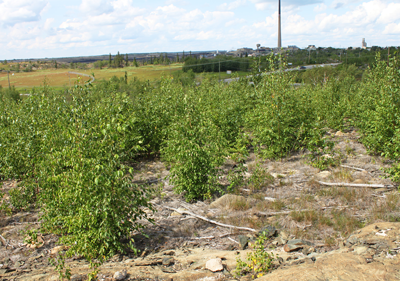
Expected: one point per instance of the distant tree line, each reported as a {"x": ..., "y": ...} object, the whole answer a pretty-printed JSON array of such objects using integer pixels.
[
  {"x": 356, "y": 56},
  {"x": 219, "y": 63}
]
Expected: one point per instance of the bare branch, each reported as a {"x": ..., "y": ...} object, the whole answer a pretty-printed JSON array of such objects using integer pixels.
[
  {"x": 233, "y": 240},
  {"x": 270, "y": 214},
  {"x": 355, "y": 168},
  {"x": 211, "y": 221},
  {"x": 356, "y": 184}
]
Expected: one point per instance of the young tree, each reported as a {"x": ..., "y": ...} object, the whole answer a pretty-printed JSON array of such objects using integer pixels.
[
  {"x": 135, "y": 63},
  {"x": 109, "y": 60},
  {"x": 177, "y": 57},
  {"x": 126, "y": 60}
]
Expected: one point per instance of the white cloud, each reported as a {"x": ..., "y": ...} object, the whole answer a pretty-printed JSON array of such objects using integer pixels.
[
  {"x": 320, "y": 8},
  {"x": 273, "y": 4},
  {"x": 126, "y": 25},
  {"x": 232, "y": 5},
  {"x": 18, "y": 11},
  {"x": 390, "y": 14},
  {"x": 96, "y": 7},
  {"x": 392, "y": 28},
  {"x": 359, "y": 22},
  {"x": 336, "y": 4}
]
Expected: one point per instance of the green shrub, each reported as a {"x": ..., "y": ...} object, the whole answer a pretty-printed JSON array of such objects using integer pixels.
[{"x": 195, "y": 148}]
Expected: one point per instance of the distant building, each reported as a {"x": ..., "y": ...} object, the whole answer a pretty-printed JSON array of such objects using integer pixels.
[
  {"x": 265, "y": 49},
  {"x": 293, "y": 48},
  {"x": 243, "y": 52},
  {"x": 364, "y": 44},
  {"x": 311, "y": 47}
]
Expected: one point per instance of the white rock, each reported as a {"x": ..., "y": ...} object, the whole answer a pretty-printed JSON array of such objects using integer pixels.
[
  {"x": 120, "y": 275},
  {"x": 324, "y": 175},
  {"x": 176, "y": 214},
  {"x": 57, "y": 249},
  {"x": 278, "y": 176},
  {"x": 360, "y": 250},
  {"x": 214, "y": 265}
]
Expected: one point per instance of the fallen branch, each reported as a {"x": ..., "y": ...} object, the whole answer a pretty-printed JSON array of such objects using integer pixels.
[
  {"x": 187, "y": 218},
  {"x": 233, "y": 240},
  {"x": 356, "y": 184},
  {"x": 355, "y": 168},
  {"x": 211, "y": 221},
  {"x": 270, "y": 214},
  {"x": 4, "y": 240},
  {"x": 201, "y": 238},
  {"x": 375, "y": 195}
]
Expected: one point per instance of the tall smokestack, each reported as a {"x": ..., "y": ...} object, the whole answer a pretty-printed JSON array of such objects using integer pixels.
[{"x": 279, "y": 27}]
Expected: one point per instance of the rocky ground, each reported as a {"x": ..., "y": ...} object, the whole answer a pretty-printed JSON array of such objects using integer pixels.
[{"x": 316, "y": 231}]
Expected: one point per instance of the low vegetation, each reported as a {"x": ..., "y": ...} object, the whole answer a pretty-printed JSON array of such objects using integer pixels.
[{"x": 73, "y": 152}]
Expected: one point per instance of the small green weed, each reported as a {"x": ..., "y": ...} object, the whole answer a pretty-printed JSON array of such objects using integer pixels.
[
  {"x": 345, "y": 223},
  {"x": 323, "y": 162},
  {"x": 22, "y": 198},
  {"x": 64, "y": 273},
  {"x": 349, "y": 150},
  {"x": 236, "y": 177},
  {"x": 4, "y": 206},
  {"x": 31, "y": 236},
  {"x": 240, "y": 204},
  {"x": 259, "y": 179},
  {"x": 258, "y": 263}
]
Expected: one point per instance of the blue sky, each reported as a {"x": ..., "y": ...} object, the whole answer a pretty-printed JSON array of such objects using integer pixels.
[{"x": 58, "y": 28}]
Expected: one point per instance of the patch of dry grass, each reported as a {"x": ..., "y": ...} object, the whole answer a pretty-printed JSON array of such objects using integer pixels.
[
  {"x": 60, "y": 77},
  {"x": 277, "y": 205},
  {"x": 343, "y": 175},
  {"x": 345, "y": 194}
]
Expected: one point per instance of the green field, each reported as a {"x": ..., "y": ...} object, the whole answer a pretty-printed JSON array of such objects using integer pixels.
[{"x": 61, "y": 78}]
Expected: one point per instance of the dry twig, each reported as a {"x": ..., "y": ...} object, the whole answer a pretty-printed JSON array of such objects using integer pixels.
[
  {"x": 233, "y": 240},
  {"x": 356, "y": 184},
  {"x": 210, "y": 221},
  {"x": 270, "y": 214}
]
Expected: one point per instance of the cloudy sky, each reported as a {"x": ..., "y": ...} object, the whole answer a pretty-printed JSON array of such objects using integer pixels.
[{"x": 58, "y": 28}]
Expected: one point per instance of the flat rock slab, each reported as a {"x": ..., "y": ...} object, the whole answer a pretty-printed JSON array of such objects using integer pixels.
[
  {"x": 214, "y": 265},
  {"x": 292, "y": 247},
  {"x": 339, "y": 266}
]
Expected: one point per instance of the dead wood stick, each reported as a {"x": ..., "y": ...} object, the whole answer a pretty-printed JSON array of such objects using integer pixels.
[
  {"x": 270, "y": 214},
  {"x": 200, "y": 238},
  {"x": 4, "y": 240},
  {"x": 375, "y": 195},
  {"x": 355, "y": 184},
  {"x": 355, "y": 168},
  {"x": 233, "y": 240},
  {"x": 211, "y": 221}
]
